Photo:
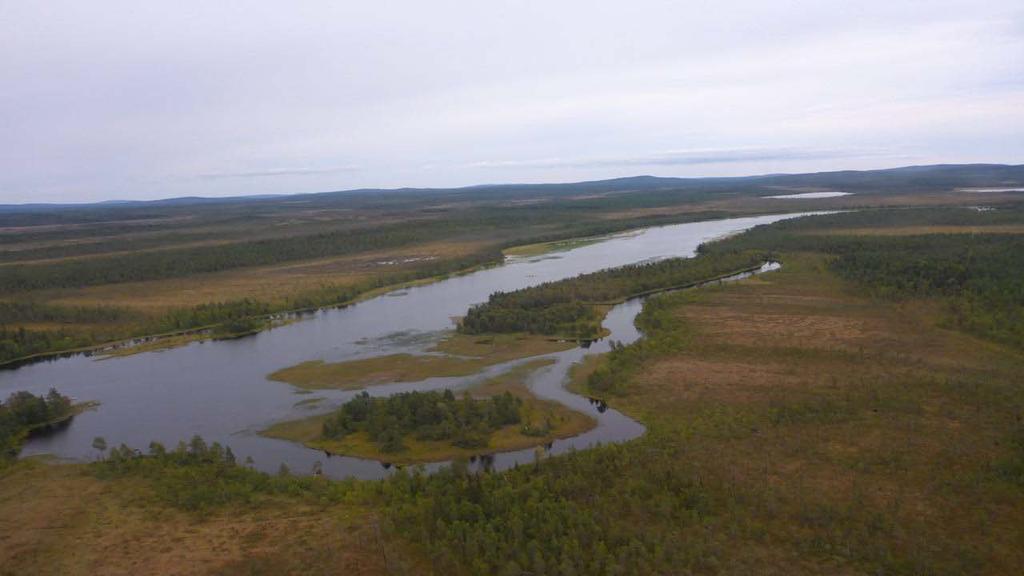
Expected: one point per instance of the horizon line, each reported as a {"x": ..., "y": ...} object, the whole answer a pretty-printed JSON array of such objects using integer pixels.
[{"x": 256, "y": 197}]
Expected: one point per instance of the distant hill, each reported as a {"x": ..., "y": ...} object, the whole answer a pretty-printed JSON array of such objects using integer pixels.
[{"x": 906, "y": 179}]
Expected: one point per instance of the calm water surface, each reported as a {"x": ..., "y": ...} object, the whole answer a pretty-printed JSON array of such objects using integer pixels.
[{"x": 219, "y": 389}]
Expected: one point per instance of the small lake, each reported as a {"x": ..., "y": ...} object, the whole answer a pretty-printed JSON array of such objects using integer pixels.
[{"x": 219, "y": 389}]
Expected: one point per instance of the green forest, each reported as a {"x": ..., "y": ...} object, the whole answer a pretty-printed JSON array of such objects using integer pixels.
[
  {"x": 566, "y": 307},
  {"x": 465, "y": 422},
  {"x": 536, "y": 518},
  {"x": 198, "y": 477},
  {"x": 22, "y": 412},
  {"x": 977, "y": 277}
]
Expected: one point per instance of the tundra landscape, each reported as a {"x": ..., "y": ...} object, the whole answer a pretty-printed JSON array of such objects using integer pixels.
[{"x": 511, "y": 288}]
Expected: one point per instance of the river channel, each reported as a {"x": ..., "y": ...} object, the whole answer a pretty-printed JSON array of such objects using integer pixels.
[{"x": 220, "y": 390}]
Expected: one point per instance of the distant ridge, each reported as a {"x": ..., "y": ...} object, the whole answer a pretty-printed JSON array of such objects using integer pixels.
[{"x": 934, "y": 176}]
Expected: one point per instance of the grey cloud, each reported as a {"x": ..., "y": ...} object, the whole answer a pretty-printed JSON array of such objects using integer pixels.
[
  {"x": 277, "y": 173},
  {"x": 688, "y": 158},
  {"x": 127, "y": 99}
]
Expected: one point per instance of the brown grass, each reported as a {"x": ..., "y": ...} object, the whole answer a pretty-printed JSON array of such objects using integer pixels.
[
  {"x": 826, "y": 413},
  {"x": 59, "y": 520},
  {"x": 268, "y": 283}
]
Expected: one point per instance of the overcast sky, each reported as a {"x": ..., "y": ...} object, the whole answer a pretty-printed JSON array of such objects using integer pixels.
[{"x": 103, "y": 100}]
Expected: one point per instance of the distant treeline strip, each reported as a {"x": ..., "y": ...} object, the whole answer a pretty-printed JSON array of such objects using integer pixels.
[
  {"x": 171, "y": 263},
  {"x": 81, "y": 327},
  {"x": 566, "y": 307},
  {"x": 17, "y": 342},
  {"x": 978, "y": 276}
]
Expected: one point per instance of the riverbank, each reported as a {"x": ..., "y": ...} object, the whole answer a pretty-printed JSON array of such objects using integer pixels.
[
  {"x": 66, "y": 318},
  {"x": 14, "y": 432},
  {"x": 76, "y": 409},
  {"x": 148, "y": 342},
  {"x": 537, "y": 414},
  {"x": 219, "y": 378},
  {"x": 543, "y": 248},
  {"x": 455, "y": 355}
]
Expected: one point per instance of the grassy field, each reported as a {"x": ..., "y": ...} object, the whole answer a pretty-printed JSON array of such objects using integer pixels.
[
  {"x": 460, "y": 355},
  {"x": 565, "y": 423},
  {"x": 847, "y": 435},
  {"x": 265, "y": 283},
  {"x": 61, "y": 520}
]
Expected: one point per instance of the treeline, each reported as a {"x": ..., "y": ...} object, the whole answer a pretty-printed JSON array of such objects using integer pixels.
[
  {"x": 19, "y": 343},
  {"x": 106, "y": 324},
  {"x": 566, "y": 307},
  {"x": 981, "y": 277},
  {"x": 18, "y": 312},
  {"x": 89, "y": 326},
  {"x": 177, "y": 262},
  {"x": 589, "y": 512},
  {"x": 978, "y": 276},
  {"x": 1005, "y": 214},
  {"x": 516, "y": 223},
  {"x": 16, "y": 341},
  {"x": 22, "y": 412},
  {"x": 576, "y": 514},
  {"x": 199, "y": 477},
  {"x": 465, "y": 422},
  {"x": 663, "y": 335},
  {"x": 222, "y": 312}
]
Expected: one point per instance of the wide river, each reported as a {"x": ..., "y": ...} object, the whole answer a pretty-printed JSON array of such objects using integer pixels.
[{"x": 220, "y": 390}]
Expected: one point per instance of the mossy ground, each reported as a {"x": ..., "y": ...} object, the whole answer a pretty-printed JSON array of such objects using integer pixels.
[
  {"x": 850, "y": 435},
  {"x": 58, "y": 519}
]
